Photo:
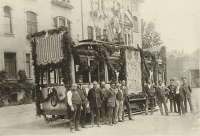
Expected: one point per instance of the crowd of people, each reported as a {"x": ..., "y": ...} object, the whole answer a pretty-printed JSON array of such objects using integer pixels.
[{"x": 106, "y": 105}]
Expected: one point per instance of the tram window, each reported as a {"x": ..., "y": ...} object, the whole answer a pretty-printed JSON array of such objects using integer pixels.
[
  {"x": 95, "y": 72},
  {"x": 81, "y": 73},
  {"x": 111, "y": 75},
  {"x": 44, "y": 78},
  {"x": 53, "y": 78}
]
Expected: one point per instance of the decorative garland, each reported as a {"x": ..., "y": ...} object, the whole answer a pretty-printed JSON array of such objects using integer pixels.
[{"x": 100, "y": 53}]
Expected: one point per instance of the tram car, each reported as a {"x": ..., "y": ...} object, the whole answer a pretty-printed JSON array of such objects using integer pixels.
[{"x": 58, "y": 62}]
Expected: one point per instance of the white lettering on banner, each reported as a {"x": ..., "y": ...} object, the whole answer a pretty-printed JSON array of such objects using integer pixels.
[
  {"x": 133, "y": 67},
  {"x": 49, "y": 49}
]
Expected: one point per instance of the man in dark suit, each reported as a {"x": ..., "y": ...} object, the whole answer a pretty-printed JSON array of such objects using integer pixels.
[
  {"x": 171, "y": 95},
  {"x": 180, "y": 97},
  {"x": 94, "y": 98},
  {"x": 161, "y": 91},
  {"x": 126, "y": 101},
  {"x": 81, "y": 90},
  {"x": 111, "y": 96},
  {"x": 149, "y": 89},
  {"x": 104, "y": 103},
  {"x": 188, "y": 92}
]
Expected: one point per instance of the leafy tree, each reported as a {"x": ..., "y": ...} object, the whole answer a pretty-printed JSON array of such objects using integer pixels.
[{"x": 150, "y": 37}]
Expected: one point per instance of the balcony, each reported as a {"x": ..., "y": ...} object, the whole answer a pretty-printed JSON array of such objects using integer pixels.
[{"x": 63, "y": 3}]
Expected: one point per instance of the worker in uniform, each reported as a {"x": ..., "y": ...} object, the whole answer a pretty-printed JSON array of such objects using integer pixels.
[
  {"x": 104, "y": 103},
  {"x": 161, "y": 91},
  {"x": 149, "y": 89},
  {"x": 180, "y": 97},
  {"x": 82, "y": 91},
  {"x": 126, "y": 101},
  {"x": 171, "y": 96},
  {"x": 111, "y": 104},
  {"x": 74, "y": 102},
  {"x": 188, "y": 92},
  {"x": 94, "y": 98},
  {"x": 119, "y": 103}
]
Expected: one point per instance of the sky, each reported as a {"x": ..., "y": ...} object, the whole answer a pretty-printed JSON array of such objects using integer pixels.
[{"x": 178, "y": 22}]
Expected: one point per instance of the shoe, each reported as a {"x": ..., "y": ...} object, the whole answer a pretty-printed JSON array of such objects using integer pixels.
[
  {"x": 120, "y": 121},
  {"x": 131, "y": 119},
  {"x": 184, "y": 114},
  {"x": 91, "y": 126},
  {"x": 110, "y": 124},
  {"x": 98, "y": 125},
  {"x": 83, "y": 127},
  {"x": 167, "y": 114},
  {"x": 77, "y": 129},
  {"x": 72, "y": 130}
]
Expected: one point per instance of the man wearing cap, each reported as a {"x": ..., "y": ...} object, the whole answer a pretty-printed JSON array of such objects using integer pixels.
[
  {"x": 119, "y": 103},
  {"x": 171, "y": 95},
  {"x": 74, "y": 101},
  {"x": 94, "y": 98},
  {"x": 82, "y": 92},
  {"x": 104, "y": 103},
  {"x": 161, "y": 91},
  {"x": 188, "y": 92},
  {"x": 149, "y": 89},
  {"x": 180, "y": 97},
  {"x": 126, "y": 101},
  {"x": 111, "y": 96}
]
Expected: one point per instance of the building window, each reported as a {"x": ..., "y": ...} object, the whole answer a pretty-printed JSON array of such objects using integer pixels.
[
  {"x": 136, "y": 23},
  {"x": 98, "y": 33},
  {"x": 7, "y": 20},
  {"x": 135, "y": 6},
  {"x": 28, "y": 66},
  {"x": 31, "y": 22},
  {"x": 90, "y": 32},
  {"x": 62, "y": 21},
  {"x": 10, "y": 65}
]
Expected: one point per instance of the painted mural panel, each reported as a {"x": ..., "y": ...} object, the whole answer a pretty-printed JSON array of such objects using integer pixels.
[{"x": 133, "y": 67}]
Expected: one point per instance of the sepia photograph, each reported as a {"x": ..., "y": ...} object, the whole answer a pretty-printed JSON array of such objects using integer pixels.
[{"x": 100, "y": 67}]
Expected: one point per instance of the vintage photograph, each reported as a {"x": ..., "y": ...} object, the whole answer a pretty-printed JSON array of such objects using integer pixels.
[{"x": 100, "y": 67}]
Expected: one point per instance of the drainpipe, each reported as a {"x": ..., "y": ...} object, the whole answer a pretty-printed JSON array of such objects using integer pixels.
[{"x": 82, "y": 19}]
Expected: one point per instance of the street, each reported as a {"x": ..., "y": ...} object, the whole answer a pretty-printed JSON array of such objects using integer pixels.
[{"x": 21, "y": 120}]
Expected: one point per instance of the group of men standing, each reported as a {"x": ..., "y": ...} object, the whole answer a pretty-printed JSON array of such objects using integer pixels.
[
  {"x": 177, "y": 94},
  {"x": 105, "y": 104}
]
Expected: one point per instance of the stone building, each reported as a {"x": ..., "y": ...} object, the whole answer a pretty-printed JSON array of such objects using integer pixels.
[
  {"x": 113, "y": 20},
  {"x": 181, "y": 65}
]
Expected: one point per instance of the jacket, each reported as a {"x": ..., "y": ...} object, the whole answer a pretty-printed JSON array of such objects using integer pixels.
[
  {"x": 149, "y": 91},
  {"x": 94, "y": 98},
  {"x": 111, "y": 95},
  {"x": 181, "y": 92},
  {"x": 187, "y": 90},
  {"x": 81, "y": 90},
  {"x": 172, "y": 91},
  {"x": 125, "y": 91},
  {"x": 119, "y": 95},
  {"x": 104, "y": 94},
  {"x": 161, "y": 91}
]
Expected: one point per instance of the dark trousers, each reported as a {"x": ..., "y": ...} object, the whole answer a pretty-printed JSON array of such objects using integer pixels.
[
  {"x": 151, "y": 100},
  {"x": 179, "y": 101},
  {"x": 172, "y": 105},
  {"x": 111, "y": 114},
  {"x": 103, "y": 111},
  {"x": 75, "y": 116},
  {"x": 128, "y": 107},
  {"x": 95, "y": 111},
  {"x": 161, "y": 101},
  {"x": 83, "y": 114},
  {"x": 190, "y": 103}
]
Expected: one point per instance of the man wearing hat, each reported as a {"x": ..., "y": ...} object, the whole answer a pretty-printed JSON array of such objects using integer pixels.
[
  {"x": 188, "y": 91},
  {"x": 171, "y": 95},
  {"x": 74, "y": 101},
  {"x": 94, "y": 98}
]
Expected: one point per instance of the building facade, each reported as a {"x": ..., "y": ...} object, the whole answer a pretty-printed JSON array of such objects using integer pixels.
[
  {"x": 112, "y": 20},
  {"x": 182, "y": 65}
]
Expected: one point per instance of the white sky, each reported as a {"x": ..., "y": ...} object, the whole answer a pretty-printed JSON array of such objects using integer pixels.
[{"x": 178, "y": 22}]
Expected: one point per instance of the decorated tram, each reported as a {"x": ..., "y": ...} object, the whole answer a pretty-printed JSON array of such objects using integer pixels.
[{"x": 58, "y": 62}]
